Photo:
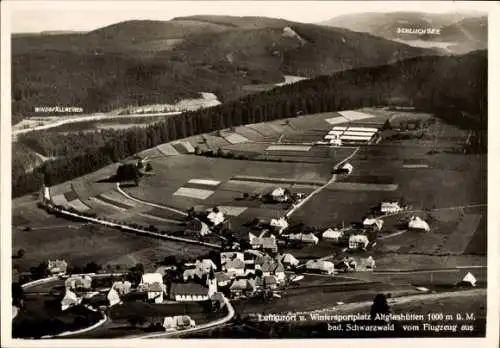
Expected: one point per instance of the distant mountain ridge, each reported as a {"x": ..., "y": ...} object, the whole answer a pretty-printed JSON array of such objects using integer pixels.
[{"x": 465, "y": 31}]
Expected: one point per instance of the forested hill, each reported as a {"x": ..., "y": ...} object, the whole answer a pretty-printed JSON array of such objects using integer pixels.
[
  {"x": 155, "y": 62},
  {"x": 453, "y": 87}
]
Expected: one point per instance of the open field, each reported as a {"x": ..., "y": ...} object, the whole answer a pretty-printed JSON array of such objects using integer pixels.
[
  {"x": 175, "y": 173},
  {"x": 95, "y": 243}
]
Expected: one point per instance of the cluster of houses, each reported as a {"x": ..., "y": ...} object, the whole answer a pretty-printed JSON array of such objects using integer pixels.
[{"x": 241, "y": 273}]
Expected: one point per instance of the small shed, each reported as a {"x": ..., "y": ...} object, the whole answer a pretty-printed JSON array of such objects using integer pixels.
[
  {"x": 333, "y": 235},
  {"x": 113, "y": 297},
  {"x": 216, "y": 217},
  {"x": 373, "y": 223},
  {"x": 289, "y": 259},
  {"x": 153, "y": 284},
  {"x": 70, "y": 299},
  {"x": 416, "y": 223},
  {"x": 231, "y": 255},
  {"x": 347, "y": 168}
]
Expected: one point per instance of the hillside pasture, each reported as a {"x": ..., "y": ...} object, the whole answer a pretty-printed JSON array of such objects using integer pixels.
[
  {"x": 263, "y": 129},
  {"x": 314, "y": 121}
]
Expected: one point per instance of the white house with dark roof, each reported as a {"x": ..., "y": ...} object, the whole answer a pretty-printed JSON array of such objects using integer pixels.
[
  {"x": 332, "y": 235},
  {"x": 186, "y": 292}
]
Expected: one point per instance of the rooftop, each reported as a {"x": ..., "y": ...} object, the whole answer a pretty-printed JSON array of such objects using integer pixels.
[{"x": 188, "y": 289}]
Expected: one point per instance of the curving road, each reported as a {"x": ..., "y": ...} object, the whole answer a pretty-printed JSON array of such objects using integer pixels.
[
  {"x": 76, "y": 119},
  {"x": 319, "y": 189},
  {"x": 202, "y": 327},
  {"x": 119, "y": 189}
]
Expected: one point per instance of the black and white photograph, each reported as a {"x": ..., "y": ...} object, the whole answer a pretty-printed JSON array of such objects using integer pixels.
[{"x": 247, "y": 170}]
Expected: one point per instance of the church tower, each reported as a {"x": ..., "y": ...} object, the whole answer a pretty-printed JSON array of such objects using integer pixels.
[{"x": 211, "y": 283}]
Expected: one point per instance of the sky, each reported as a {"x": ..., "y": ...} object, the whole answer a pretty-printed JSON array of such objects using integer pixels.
[{"x": 36, "y": 16}]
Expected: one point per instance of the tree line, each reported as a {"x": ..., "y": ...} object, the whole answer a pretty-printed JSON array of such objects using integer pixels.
[{"x": 450, "y": 87}]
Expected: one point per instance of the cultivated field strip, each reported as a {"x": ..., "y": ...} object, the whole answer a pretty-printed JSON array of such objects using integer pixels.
[
  {"x": 213, "y": 142},
  {"x": 459, "y": 240},
  {"x": 102, "y": 207},
  {"x": 288, "y": 148},
  {"x": 111, "y": 202},
  {"x": 379, "y": 179},
  {"x": 235, "y": 138},
  {"x": 278, "y": 180},
  {"x": 70, "y": 195},
  {"x": 115, "y": 197},
  {"x": 151, "y": 153},
  {"x": 415, "y": 166},
  {"x": 84, "y": 190},
  {"x": 354, "y": 186},
  {"x": 264, "y": 129},
  {"x": 167, "y": 150},
  {"x": 292, "y": 159},
  {"x": 207, "y": 182},
  {"x": 60, "y": 200},
  {"x": 183, "y": 147},
  {"x": 354, "y": 115},
  {"x": 242, "y": 186},
  {"x": 78, "y": 205},
  {"x": 249, "y": 133},
  {"x": 275, "y": 127},
  {"x": 227, "y": 210},
  {"x": 247, "y": 147},
  {"x": 193, "y": 193},
  {"x": 337, "y": 120},
  {"x": 156, "y": 218},
  {"x": 314, "y": 121}
]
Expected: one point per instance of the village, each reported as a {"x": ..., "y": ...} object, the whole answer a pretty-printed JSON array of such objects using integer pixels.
[{"x": 251, "y": 267}]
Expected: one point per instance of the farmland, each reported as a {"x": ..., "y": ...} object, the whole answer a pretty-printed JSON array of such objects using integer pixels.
[{"x": 279, "y": 154}]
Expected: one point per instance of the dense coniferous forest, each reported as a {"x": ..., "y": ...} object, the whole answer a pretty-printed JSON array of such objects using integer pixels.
[{"x": 454, "y": 88}]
